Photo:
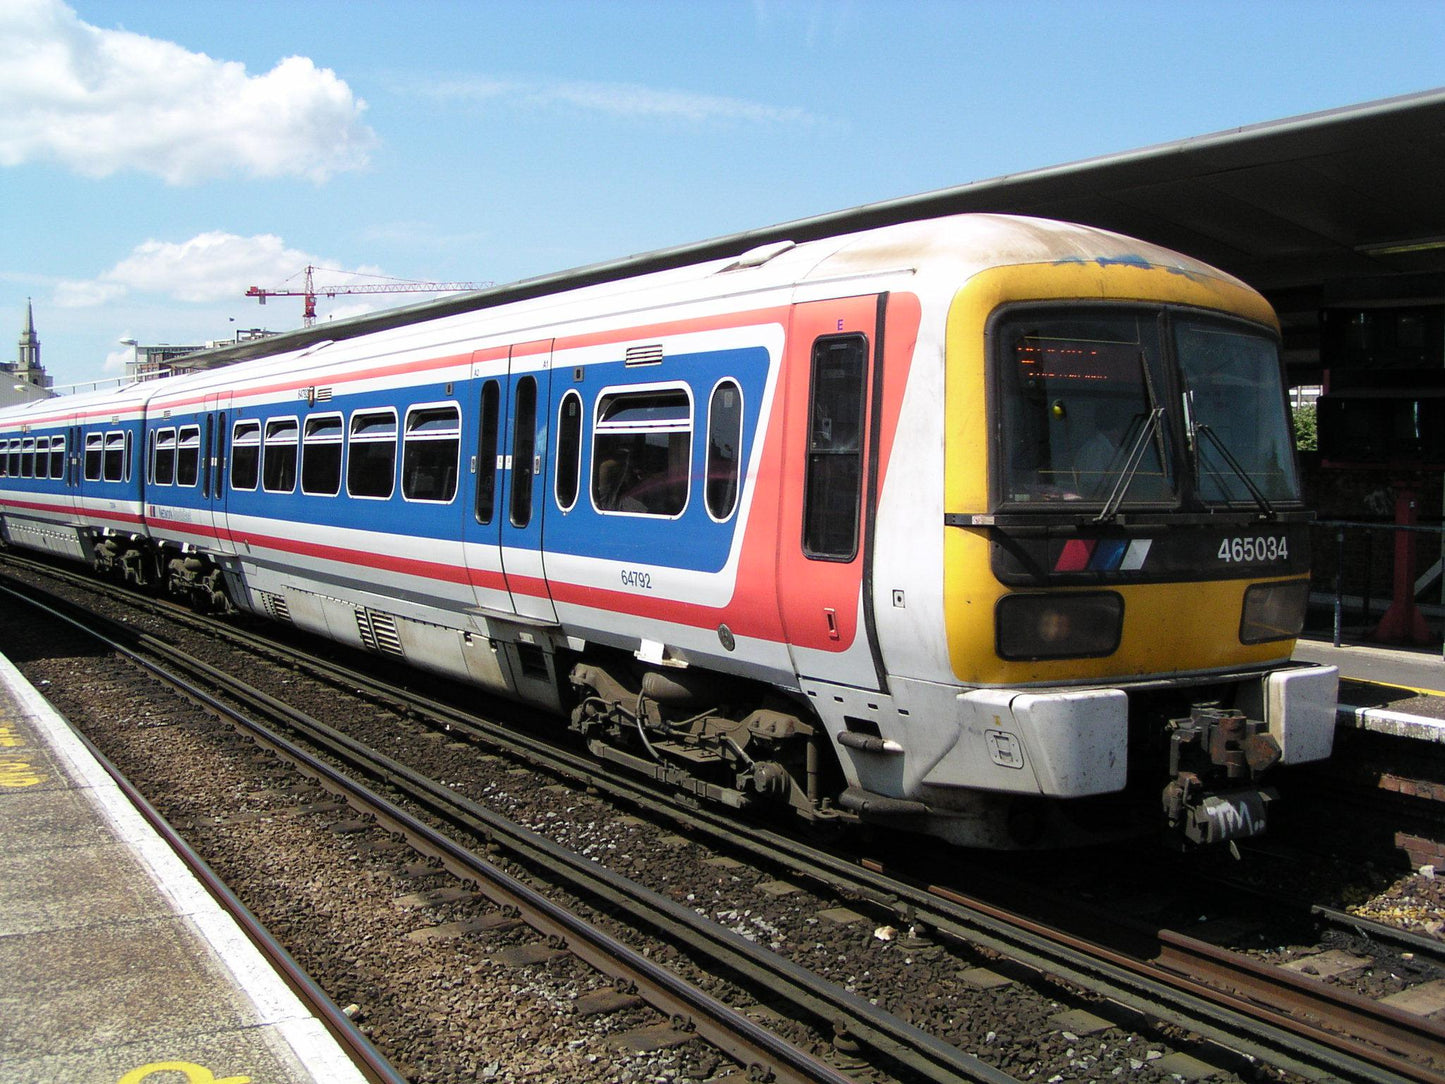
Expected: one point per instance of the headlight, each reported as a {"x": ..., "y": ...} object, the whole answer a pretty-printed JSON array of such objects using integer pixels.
[
  {"x": 1273, "y": 611},
  {"x": 1072, "y": 626}
]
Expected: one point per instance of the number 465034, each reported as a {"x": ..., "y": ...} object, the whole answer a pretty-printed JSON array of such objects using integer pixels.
[{"x": 1240, "y": 550}]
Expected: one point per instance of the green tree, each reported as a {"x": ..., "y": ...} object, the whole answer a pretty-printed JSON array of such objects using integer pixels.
[{"x": 1306, "y": 430}]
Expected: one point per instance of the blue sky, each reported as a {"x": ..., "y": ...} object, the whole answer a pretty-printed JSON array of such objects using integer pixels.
[{"x": 156, "y": 157}]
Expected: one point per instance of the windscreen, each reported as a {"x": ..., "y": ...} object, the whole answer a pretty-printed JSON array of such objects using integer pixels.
[
  {"x": 1128, "y": 406},
  {"x": 1234, "y": 414},
  {"x": 1079, "y": 392}
]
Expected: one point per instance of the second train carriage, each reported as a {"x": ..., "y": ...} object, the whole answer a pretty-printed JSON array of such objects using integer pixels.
[{"x": 959, "y": 524}]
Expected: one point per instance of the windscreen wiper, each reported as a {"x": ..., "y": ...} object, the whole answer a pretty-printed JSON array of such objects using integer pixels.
[
  {"x": 1254, "y": 491},
  {"x": 1148, "y": 430}
]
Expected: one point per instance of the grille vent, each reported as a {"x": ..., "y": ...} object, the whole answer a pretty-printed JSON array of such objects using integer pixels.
[
  {"x": 644, "y": 355},
  {"x": 378, "y": 632},
  {"x": 276, "y": 606}
]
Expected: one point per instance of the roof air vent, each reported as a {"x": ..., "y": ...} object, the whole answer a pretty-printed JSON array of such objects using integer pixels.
[{"x": 756, "y": 257}]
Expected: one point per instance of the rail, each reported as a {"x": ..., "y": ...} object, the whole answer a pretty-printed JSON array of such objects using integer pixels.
[{"x": 1141, "y": 983}]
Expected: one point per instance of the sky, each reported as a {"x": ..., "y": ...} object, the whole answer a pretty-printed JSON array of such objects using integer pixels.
[{"x": 158, "y": 158}]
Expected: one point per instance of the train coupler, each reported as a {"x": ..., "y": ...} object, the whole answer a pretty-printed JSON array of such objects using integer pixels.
[
  {"x": 1200, "y": 817},
  {"x": 1210, "y": 754}
]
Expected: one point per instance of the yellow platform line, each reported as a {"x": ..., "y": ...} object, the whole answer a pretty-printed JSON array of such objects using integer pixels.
[{"x": 1392, "y": 685}]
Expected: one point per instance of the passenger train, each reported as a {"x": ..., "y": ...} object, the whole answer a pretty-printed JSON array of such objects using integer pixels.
[{"x": 985, "y": 527}]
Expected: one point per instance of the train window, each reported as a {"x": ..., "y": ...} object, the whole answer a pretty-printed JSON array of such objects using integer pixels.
[
  {"x": 126, "y": 436},
  {"x": 1233, "y": 391},
  {"x": 724, "y": 441},
  {"x": 245, "y": 455},
  {"x": 641, "y": 451},
  {"x": 14, "y": 457},
  {"x": 42, "y": 457},
  {"x": 569, "y": 449},
  {"x": 524, "y": 447},
  {"x": 278, "y": 456},
  {"x": 188, "y": 455},
  {"x": 94, "y": 453},
  {"x": 321, "y": 455},
  {"x": 487, "y": 451},
  {"x": 163, "y": 458},
  {"x": 4, "y": 460},
  {"x": 57, "y": 457},
  {"x": 833, "y": 485},
  {"x": 429, "y": 453},
  {"x": 1081, "y": 394},
  {"x": 371, "y": 457},
  {"x": 27, "y": 458}
]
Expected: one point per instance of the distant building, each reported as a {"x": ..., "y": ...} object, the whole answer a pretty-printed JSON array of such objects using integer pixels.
[
  {"x": 23, "y": 380},
  {"x": 163, "y": 359}
]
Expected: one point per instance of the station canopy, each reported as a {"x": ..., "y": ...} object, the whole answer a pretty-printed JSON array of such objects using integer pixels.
[{"x": 1337, "y": 207}]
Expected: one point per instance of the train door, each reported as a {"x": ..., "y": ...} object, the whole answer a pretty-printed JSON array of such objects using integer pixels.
[
  {"x": 503, "y": 527},
  {"x": 215, "y": 445},
  {"x": 74, "y": 472},
  {"x": 824, "y": 549}
]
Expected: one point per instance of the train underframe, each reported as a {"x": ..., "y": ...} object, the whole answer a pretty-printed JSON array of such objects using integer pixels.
[
  {"x": 179, "y": 571},
  {"x": 1196, "y": 755}
]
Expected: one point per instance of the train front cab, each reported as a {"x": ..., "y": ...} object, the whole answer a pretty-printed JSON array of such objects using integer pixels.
[{"x": 1126, "y": 552}]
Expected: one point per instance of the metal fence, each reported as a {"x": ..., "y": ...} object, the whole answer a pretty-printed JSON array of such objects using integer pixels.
[{"x": 1353, "y": 570}]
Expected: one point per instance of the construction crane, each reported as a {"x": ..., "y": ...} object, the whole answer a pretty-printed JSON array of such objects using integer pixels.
[{"x": 396, "y": 286}]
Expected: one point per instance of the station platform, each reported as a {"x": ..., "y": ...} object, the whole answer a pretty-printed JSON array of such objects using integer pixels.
[
  {"x": 118, "y": 966},
  {"x": 1399, "y": 691}
]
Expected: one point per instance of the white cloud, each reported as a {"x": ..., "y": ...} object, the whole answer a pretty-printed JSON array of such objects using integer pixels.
[
  {"x": 98, "y": 101},
  {"x": 621, "y": 100},
  {"x": 210, "y": 267},
  {"x": 82, "y": 295},
  {"x": 117, "y": 360},
  {"x": 345, "y": 311}
]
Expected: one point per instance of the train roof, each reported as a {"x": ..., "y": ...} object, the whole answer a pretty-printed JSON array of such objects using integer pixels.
[
  {"x": 954, "y": 239},
  {"x": 935, "y": 253}
]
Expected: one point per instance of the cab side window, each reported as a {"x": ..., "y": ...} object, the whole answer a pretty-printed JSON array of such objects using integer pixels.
[{"x": 833, "y": 484}]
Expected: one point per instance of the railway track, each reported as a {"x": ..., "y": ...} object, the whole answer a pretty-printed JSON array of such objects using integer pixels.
[
  {"x": 1322, "y": 1037},
  {"x": 765, "y": 1056},
  {"x": 357, "y": 1047}
]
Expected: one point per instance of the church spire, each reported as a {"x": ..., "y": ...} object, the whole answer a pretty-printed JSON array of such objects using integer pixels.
[{"x": 27, "y": 365}]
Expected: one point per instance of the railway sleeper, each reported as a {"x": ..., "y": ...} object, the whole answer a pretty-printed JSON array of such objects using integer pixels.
[{"x": 650, "y": 723}]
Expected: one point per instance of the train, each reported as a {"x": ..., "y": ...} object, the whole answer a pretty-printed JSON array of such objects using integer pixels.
[{"x": 984, "y": 527}]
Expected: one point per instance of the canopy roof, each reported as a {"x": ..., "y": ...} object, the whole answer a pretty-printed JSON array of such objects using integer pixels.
[{"x": 1345, "y": 203}]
